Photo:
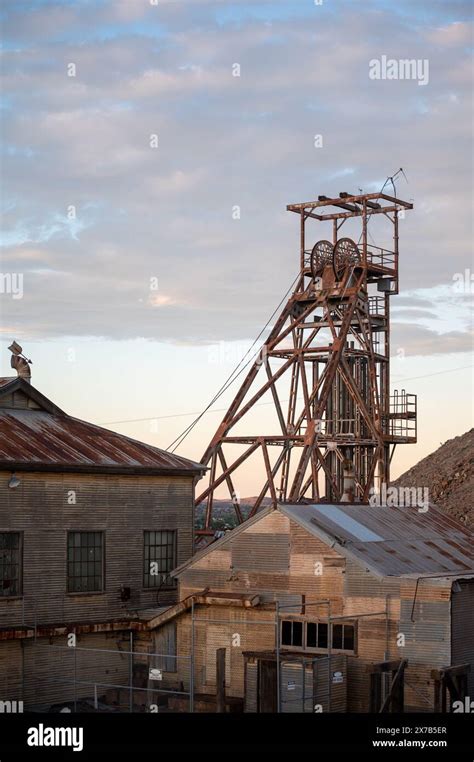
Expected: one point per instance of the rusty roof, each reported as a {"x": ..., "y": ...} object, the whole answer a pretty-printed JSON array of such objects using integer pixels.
[
  {"x": 399, "y": 542},
  {"x": 7, "y": 380},
  {"x": 390, "y": 541},
  {"x": 45, "y": 438}
]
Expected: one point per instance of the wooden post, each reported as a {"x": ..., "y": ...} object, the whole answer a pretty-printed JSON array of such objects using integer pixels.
[
  {"x": 375, "y": 691},
  {"x": 220, "y": 680},
  {"x": 398, "y": 697}
]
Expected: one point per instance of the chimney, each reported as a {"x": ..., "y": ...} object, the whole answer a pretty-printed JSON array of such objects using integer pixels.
[{"x": 19, "y": 362}]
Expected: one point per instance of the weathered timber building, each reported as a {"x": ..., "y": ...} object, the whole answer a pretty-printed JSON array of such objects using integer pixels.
[
  {"x": 91, "y": 525},
  {"x": 314, "y": 603}
]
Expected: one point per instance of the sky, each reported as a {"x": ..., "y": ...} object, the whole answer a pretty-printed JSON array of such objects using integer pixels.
[{"x": 128, "y": 142}]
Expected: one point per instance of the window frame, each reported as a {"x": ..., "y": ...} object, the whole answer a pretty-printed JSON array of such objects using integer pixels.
[
  {"x": 170, "y": 583},
  {"x": 102, "y": 589},
  {"x": 292, "y": 623},
  {"x": 343, "y": 625},
  {"x": 18, "y": 594},
  {"x": 330, "y": 635}
]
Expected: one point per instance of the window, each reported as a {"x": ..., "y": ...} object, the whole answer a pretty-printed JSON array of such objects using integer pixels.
[
  {"x": 316, "y": 635},
  {"x": 292, "y": 633},
  {"x": 85, "y": 562},
  {"x": 159, "y": 558},
  {"x": 301, "y": 634},
  {"x": 343, "y": 637},
  {"x": 11, "y": 551}
]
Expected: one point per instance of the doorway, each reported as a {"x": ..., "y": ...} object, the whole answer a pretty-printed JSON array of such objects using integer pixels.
[{"x": 267, "y": 686}]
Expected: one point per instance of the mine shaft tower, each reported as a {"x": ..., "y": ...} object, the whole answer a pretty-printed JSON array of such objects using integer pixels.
[{"x": 331, "y": 347}]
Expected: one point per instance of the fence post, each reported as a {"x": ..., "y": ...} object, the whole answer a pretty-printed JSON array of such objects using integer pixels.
[{"x": 75, "y": 676}]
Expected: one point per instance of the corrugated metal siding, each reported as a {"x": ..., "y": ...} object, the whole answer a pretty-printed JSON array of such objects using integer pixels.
[
  {"x": 428, "y": 639},
  {"x": 11, "y": 671},
  {"x": 274, "y": 523},
  {"x": 217, "y": 637},
  {"x": 303, "y": 542},
  {"x": 49, "y": 671},
  {"x": 352, "y": 592},
  {"x": 309, "y": 557},
  {"x": 297, "y": 686},
  {"x": 219, "y": 559},
  {"x": 361, "y": 583},
  {"x": 194, "y": 580},
  {"x": 164, "y": 642},
  {"x": 297, "y": 690},
  {"x": 234, "y": 621},
  {"x": 262, "y": 552},
  {"x": 251, "y": 681},
  {"x": 462, "y": 628},
  {"x": 123, "y": 507}
]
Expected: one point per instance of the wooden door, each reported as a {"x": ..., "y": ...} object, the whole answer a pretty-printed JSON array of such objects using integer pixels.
[{"x": 267, "y": 686}]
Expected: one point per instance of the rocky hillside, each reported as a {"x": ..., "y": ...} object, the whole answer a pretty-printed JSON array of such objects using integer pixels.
[{"x": 449, "y": 475}]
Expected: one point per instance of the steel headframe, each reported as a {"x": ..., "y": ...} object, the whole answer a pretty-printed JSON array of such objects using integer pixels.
[{"x": 331, "y": 343}]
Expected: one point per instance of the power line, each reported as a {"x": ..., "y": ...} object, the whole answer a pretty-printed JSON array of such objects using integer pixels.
[
  {"x": 261, "y": 404},
  {"x": 436, "y": 373},
  {"x": 233, "y": 376}
]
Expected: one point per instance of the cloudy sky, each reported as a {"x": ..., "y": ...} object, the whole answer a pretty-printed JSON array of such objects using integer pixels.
[{"x": 128, "y": 141}]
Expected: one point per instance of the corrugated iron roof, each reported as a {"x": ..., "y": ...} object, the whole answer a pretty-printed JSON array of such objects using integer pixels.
[
  {"x": 7, "y": 380},
  {"x": 410, "y": 542},
  {"x": 49, "y": 441}
]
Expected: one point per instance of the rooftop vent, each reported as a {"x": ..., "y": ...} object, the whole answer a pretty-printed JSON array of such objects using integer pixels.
[{"x": 20, "y": 362}]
